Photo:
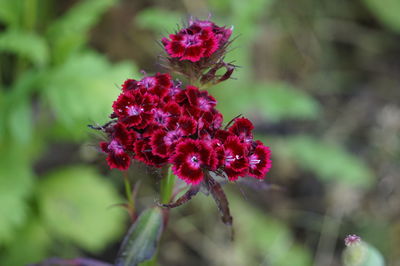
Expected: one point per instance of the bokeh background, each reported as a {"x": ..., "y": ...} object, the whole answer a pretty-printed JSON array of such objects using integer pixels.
[{"x": 320, "y": 80}]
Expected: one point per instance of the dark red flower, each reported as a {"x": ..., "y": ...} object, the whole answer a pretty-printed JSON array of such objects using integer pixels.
[
  {"x": 163, "y": 141},
  {"x": 129, "y": 84},
  {"x": 200, "y": 99},
  {"x": 235, "y": 160},
  {"x": 222, "y": 33},
  {"x": 242, "y": 128},
  {"x": 121, "y": 141},
  {"x": 116, "y": 156},
  {"x": 192, "y": 43},
  {"x": 191, "y": 158},
  {"x": 210, "y": 121},
  {"x": 259, "y": 161},
  {"x": 144, "y": 153},
  {"x": 166, "y": 115},
  {"x": 158, "y": 85},
  {"x": 134, "y": 108}
]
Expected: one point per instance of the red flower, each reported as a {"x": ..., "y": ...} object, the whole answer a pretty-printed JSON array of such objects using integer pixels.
[
  {"x": 196, "y": 102},
  {"x": 163, "y": 141},
  {"x": 116, "y": 149},
  {"x": 192, "y": 43},
  {"x": 191, "y": 158},
  {"x": 242, "y": 128},
  {"x": 166, "y": 116},
  {"x": 222, "y": 33},
  {"x": 134, "y": 108},
  {"x": 158, "y": 85},
  {"x": 259, "y": 161},
  {"x": 144, "y": 153},
  {"x": 129, "y": 84},
  {"x": 235, "y": 160}
]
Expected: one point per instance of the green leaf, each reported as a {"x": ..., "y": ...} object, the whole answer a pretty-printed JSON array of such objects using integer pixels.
[
  {"x": 273, "y": 101},
  {"x": 158, "y": 20},
  {"x": 279, "y": 101},
  {"x": 273, "y": 242},
  {"x": 32, "y": 241},
  {"x": 10, "y": 12},
  {"x": 82, "y": 90},
  {"x": 250, "y": 10},
  {"x": 387, "y": 11},
  {"x": 75, "y": 204},
  {"x": 70, "y": 32},
  {"x": 329, "y": 162},
  {"x": 16, "y": 184},
  {"x": 140, "y": 244},
  {"x": 28, "y": 45},
  {"x": 20, "y": 121}
]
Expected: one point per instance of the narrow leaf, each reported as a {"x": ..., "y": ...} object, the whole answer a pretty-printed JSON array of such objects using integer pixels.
[{"x": 141, "y": 241}]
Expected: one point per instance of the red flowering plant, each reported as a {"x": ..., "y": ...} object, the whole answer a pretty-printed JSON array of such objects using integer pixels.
[{"x": 168, "y": 125}]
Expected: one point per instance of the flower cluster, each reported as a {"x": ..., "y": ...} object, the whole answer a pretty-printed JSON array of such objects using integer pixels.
[
  {"x": 199, "y": 40},
  {"x": 197, "y": 51},
  {"x": 158, "y": 122}
]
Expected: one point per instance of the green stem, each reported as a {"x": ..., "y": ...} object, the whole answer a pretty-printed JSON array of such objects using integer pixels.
[
  {"x": 128, "y": 189},
  {"x": 167, "y": 185},
  {"x": 166, "y": 192},
  {"x": 30, "y": 14}
]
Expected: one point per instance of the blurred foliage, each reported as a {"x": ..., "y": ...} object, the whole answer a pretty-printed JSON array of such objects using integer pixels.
[
  {"x": 75, "y": 204},
  {"x": 386, "y": 11},
  {"x": 52, "y": 86},
  {"x": 272, "y": 242},
  {"x": 329, "y": 162}
]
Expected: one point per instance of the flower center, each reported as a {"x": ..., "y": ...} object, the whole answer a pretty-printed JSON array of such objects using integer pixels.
[
  {"x": 172, "y": 137},
  {"x": 190, "y": 40},
  {"x": 160, "y": 116},
  {"x": 254, "y": 160},
  {"x": 115, "y": 147},
  {"x": 204, "y": 103},
  {"x": 148, "y": 82},
  {"x": 229, "y": 158},
  {"x": 134, "y": 110},
  {"x": 194, "y": 161}
]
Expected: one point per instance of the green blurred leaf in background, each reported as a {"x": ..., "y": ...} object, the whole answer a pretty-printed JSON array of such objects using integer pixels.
[
  {"x": 387, "y": 11},
  {"x": 16, "y": 184},
  {"x": 76, "y": 205},
  {"x": 159, "y": 20},
  {"x": 329, "y": 162},
  {"x": 69, "y": 33},
  {"x": 28, "y": 45},
  {"x": 80, "y": 90}
]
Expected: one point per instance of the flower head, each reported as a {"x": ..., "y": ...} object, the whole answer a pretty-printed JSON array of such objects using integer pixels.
[
  {"x": 198, "y": 51},
  {"x": 259, "y": 160},
  {"x": 352, "y": 240},
  {"x": 118, "y": 147},
  {"x": 200, "y": 40},
  {"x": 191, "y": 158}
]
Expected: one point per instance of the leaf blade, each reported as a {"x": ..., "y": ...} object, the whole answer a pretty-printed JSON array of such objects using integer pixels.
[{"x": 141, "y": 241}]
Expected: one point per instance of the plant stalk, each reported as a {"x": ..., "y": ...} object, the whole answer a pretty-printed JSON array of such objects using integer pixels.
[
  {"x": 128, "y": 188},
  {"x": 167, "y": 185}
]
